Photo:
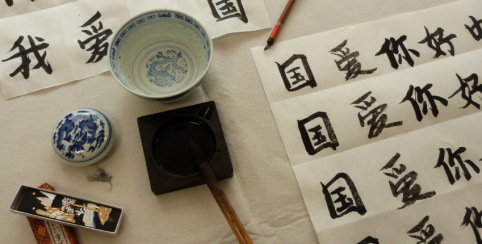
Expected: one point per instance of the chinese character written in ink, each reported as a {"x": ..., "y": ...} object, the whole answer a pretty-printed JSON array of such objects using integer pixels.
[
  {"x": 344, "y": 203},
  {"x": 369, "y": 240},
  {"x": 227, "y": 10},
  {"x": 425, "y": 233},
  {"x": 99, "y": 48},
  {"x": 377, "y": 122},
  {"x": 468, "y": 91},
  {"x": 352, "y": 66},
  {"x": 476, "y": 26},
  {"x": 411, "y": 194},
  {"x": 317, "y": 133},
  {"x": 435, "y": 44},
  {"x": 416, "y": 97},
  {"x": 23, "y": 53},
  {"x": 390, "y": 47},
  {"x": 452, "y": 157},
  {"x": 474, "y": 218},
  {"x": 293, "y": 76}
]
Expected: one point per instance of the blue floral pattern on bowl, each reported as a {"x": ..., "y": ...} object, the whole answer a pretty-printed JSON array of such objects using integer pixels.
[
  {"x": 82, "y": 135},
  {"x": 136, "y": 54},
  {"x": 166, "y": 70}
]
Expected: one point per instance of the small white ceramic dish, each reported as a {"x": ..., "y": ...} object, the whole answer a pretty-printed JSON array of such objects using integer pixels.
[
  {"x": 160, "y": 54},
  {"x": 83, "y": 137}
]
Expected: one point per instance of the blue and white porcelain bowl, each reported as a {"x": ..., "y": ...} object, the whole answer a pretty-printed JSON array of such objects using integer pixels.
[
  {"x": 161, "y": 54},
  {"x": 83, "y": 137}
]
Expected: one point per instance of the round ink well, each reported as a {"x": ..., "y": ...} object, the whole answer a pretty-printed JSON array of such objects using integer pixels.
[
  {"x": 165, "y": 140},
  {"x": 170, "y": 145}
]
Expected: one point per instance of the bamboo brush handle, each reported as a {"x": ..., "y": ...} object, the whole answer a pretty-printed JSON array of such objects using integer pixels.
[{"x": 224, "y": 204}]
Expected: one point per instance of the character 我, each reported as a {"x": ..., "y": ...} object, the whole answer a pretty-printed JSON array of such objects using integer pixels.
[
  {"x": 99, "y": 48},
  {"x": 452, "y": 157},
  {"x": 226, "y": 9},
  {"x": 390, "y": 48},
  {"x": 424, "y": 234},
  {"x": 317, "y": 133},
  {"x": 467, "y": 91},
  {"x": 378, "y": 121},
  {"x": 339, "y": 204},
  {"x": 416, "y": 97},
  {"x": 23, "y": 54},
  {"x": 405, "y": 185},
  {"x": 348, "y": 62},
  {"x": 295, "y": 78},
  {"x": 436, "y": 43}
]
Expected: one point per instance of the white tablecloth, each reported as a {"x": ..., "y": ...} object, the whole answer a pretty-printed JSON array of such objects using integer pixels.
[{"x": 263, "y": 191}]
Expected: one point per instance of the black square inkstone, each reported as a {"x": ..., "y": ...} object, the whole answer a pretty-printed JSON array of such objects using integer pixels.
[{"x": 165, "y": 139}]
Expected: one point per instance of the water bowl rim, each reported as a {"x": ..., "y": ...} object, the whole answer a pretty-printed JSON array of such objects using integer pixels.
[{"x": 173, "y": 95}]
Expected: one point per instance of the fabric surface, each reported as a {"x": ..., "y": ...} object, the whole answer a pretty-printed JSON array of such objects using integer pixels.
[{"x": 263, "y": 191}]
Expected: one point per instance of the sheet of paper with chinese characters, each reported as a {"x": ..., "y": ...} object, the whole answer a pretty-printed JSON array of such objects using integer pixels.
[
  {"x": 48, "y": 44},
  {"x": 381, "y": 123}
]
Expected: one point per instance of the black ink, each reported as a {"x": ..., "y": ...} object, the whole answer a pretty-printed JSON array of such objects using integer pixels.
[
  {"x": 418, "y": 93},
  {"x": 426, "y": 233},
  {"x": 452, "y": 157},
  {"x": 227, "y": 10},
  {"x": 468, "y": 91},
  {"x": 99, "y": 48},
  {"x": 476, "y": 26},
  {"x": 411, "y": 194},
  {"x": 436, "y": 43},
  {"x": 293, "y": 79},
  {"x": 475, "y": 222},
  {"x": 318, "y": 136},
  {"x": 369, "y": 240},
  {"x": 378, "y": 120},
  {"x": 24, "y": 68},
  {"x": 352, "y": 66},
  {"x": 348, "y": 204},
  {"x": 390, "y": 47},
  {"x": 320, "y": 141},
  {"x": 101, "y": 176}
]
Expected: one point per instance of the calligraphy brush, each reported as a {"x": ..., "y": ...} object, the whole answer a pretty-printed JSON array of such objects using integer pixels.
[
  {"x": 199, "y": 160},
  {"x": 279, "y": 24}
]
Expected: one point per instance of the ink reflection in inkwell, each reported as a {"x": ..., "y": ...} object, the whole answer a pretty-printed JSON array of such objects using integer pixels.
[
  {"x": 166, "y": 140},
  {"x": 171, "y": 145}
]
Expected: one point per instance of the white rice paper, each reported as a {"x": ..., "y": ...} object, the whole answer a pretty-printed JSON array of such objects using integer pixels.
[
  {"x": 378, "y": 215},
  {"x": 61, "y": 27}
]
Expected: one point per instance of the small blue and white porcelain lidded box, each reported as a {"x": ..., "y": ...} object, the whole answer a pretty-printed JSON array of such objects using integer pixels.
[
  {"x": 83, "y": 137},
  {"x": 160, "y": 54}
]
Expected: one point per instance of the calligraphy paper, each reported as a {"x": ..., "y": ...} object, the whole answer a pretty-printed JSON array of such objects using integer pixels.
[
  {"x": 70, "y": 42},
  {"x": 241, "y": 16},
  {"x": 186, "y": 6},
  {"x": 220, "y": 17},
  {"x": 41, "y": 54},
  {"x": 15, "y": 7},
  {"x": 379, "y": 121}
]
